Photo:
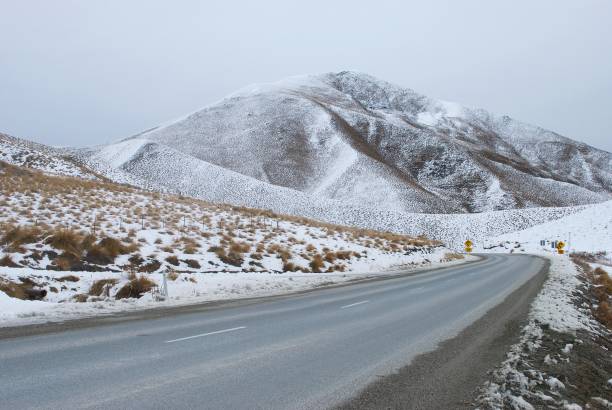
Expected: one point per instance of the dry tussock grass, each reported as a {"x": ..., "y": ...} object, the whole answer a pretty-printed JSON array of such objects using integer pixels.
[
  {"x": 135, "y": 288},
  {"x": 600, "y": 288},
  {"x": 106, "y": 210},
  {"x": 98, "y": 286}
]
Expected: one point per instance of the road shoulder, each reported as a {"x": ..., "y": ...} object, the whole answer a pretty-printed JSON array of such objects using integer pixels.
[{"x": 449, "y": 377}]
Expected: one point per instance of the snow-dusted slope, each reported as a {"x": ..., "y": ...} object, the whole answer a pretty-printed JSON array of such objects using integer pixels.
[
  {"x": 355, "y": 139},
  {"x": 589, "y": 230},
  {"x": 17, "y": 151},
  {"x": 173, "y": 171}
]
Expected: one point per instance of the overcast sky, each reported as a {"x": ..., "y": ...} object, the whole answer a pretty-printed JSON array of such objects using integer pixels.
[{"x": 89, "y": 72}]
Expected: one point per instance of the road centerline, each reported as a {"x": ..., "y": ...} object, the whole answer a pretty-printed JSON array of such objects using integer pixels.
[
  {"x": 217, "y": 332},
  {"x": 354, "y": 304}
]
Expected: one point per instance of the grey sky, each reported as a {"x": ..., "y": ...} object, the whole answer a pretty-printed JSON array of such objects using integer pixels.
[{"x": 88, "y": 72}]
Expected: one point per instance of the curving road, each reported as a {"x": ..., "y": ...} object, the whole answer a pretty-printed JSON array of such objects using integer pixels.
[{"x": 306, "y": 351}]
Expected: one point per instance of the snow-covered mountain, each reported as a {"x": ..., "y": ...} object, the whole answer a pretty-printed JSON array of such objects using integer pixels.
[{"x": 348, "y": 138}]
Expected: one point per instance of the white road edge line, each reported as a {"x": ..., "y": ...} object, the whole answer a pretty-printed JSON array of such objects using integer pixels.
[
  {"x": 206, "y": 334},
  {"x": 355, "y": 304}
]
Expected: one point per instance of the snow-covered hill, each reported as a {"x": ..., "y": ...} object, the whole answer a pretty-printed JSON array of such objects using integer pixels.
[
  {"x": 21, "y": 152},
  {"x": 362, "y": 142}
]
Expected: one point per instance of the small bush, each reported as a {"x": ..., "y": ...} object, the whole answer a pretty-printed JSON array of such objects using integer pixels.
[
  {"x": 66, "y": 240},
  {"x": 25, "y": 290},
  {"x": 8, "y": 262},
  {"x": 135, "y": 288},
  {"x": 13, "y": 289},
  {"x": 64, "y": 262},
  {"x": 192, "y": 263},
  {"x": 289, "y": 267},
  {"x": 316, "y": 263},
  {"x": 80, "y": 297},
  {"x": 172, "y": 275},
  {"x": 257, "y": 256},
  {"x": 136, "y": 260},
  {"x": 98, "y": 286},
  {"x": 68, "y": 278},
  {"x": 150, "y": 267},
  {"x": 17, "y": 236},
  {"x": 173, "y": 260}
]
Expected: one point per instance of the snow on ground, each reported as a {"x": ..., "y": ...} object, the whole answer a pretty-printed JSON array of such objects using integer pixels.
[
  {"x": 25, "y": 153},
  {"x": 554, "y": 308},
  {"x": 588, "y": 230},
  {"x": 184, "y": 289},
  {"x": 64, "y": 235}
]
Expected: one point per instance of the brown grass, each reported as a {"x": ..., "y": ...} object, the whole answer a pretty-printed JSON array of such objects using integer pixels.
[
  {"x": 173, "y": 260},
  {"x": 601, "y": 289},
  {"x": 98, "y": 286},
  {"x": 8, "y": 262},
  {"x": 68, "y": 278},
  {"x": 13, "y": 289},
  {"x": 150, "y": 266},
  {"x": 66, "y": 240},
  {"x": 15, "y": 236},
  {"x": 316, "y": 263},
  {"x": 135, "y": 288},
  {"x": 192, "y": 263}
]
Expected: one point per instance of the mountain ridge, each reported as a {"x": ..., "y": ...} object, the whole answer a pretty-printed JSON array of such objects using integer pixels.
[{"x": 429, "y": 155}]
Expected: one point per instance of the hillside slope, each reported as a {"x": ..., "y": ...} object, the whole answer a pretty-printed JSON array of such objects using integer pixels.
[{"x": 352, "y": 138}]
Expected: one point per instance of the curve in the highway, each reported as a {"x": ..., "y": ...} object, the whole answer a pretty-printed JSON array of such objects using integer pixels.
[{"x": 313, "y": 350}]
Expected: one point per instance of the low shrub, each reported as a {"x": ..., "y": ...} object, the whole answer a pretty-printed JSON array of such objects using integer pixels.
[
  {"x": 98, "y": 286},
  {"x": 316, "y": 263},
  {"x": 173, "y": 260},
  {"x": 68, "y": 278},
  {"x": 66, "y": 240},
  {"x": 151, "y": 266},
  {"x": 192, "y": 263},
  {"x": 135, "y": 288},
  {"x": 8, "y": 262},
  {"x": 16, "y": 236}
]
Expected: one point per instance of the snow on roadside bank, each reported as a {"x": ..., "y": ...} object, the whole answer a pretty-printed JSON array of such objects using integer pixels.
[
  {"x": 515, "y": 383},
  {"x": 588, "y": 230},
  {"x": 187, "y": 288}
]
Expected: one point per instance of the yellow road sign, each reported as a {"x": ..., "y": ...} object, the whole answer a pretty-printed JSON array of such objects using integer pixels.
[
  {"x": 468, "y": 244},
  {"x": 560, "y": 247}
]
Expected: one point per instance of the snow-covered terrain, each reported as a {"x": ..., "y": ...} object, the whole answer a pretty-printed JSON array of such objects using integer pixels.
[
  {"x": 73, "y": 299},
  {"x": 25, "y": 153},
  {"x": 587, "y": 230},
  {"x": 310, "y": 145},
  {"x": 518, "y": 382},
  {"x": 66, "y": 241}
]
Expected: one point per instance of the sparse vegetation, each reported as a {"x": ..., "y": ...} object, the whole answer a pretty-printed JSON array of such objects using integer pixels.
[
  {"x": 98, "y": 286},
  {"x": 135, "y": 288},
  {"x": 600, "y": 287}
]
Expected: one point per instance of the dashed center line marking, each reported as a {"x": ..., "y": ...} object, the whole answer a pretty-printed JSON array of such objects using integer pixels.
[
  {"x": 206, "y": 334},
  {"x": 355, "y": 304}
]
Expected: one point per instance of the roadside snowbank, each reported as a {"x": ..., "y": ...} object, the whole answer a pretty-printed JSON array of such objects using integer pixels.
[
  {"x": 187, "y": 288},
  {"x": 516, "y": 383}
]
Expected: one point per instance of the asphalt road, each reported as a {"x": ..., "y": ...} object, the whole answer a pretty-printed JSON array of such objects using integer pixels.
[{"x": 307, "y": 351}]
